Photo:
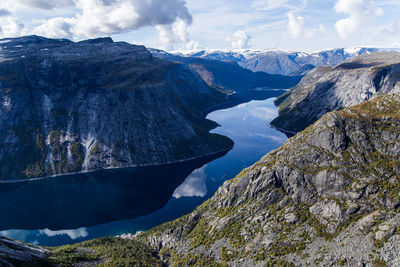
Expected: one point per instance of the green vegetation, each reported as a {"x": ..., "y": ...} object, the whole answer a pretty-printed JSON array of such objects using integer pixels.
[
  {"x": 107, "y": 252},
  {"x": 379, "y": 263},
  {"x": 388, "y": 105},
  {"x": 342, "y": 261},
  {"x": 278, "y": 263},
  {"x": 228, "y": 255},
  {"x": 36, "y": 157},
  {"x": 77, "y": 156},
  {"x": 189, "y": 259},
  {"x": 96, "y": 148}
]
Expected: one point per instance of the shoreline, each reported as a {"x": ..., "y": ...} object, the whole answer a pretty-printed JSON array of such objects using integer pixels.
[
  {"x": 116, "y": 168},
  {"x": 207, "y": 111},
  {"x": 286, "y": 132}
]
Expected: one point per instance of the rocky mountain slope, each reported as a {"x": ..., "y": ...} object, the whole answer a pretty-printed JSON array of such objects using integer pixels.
[
  {"x": 13, "y": 253},
  {"x": 281, "y": 62},
  {"x": 228, "y": 75},
  {"x": 68, "y": 107},
  {"x": 330, "y": 196},
  {"x": 332, "y": 88}
]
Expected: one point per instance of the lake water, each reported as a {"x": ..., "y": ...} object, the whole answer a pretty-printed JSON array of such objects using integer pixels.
[{"x": 79, "y": 207}]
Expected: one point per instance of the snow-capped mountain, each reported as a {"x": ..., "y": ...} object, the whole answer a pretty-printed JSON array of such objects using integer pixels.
[{"x": 280, "y": 62}]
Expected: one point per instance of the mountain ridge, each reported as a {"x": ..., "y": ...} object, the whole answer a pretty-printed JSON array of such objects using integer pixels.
[
  {"x": 60, "y": 100},
  {"x": 329, "y": 88},
  {"x": 321, "y": 191},
  {"x": 328, "y": 197},
  {"x": 280, "y": 62}
]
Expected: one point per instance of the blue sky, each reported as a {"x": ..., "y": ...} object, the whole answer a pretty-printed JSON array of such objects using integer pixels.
[{"x": 212, "y": 24}]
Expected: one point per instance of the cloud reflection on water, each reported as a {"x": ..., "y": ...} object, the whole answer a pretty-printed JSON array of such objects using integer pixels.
[{"x": 194, "y": 185}]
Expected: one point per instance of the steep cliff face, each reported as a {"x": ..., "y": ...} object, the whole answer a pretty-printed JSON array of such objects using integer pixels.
[
  {"x": 329, "y": 196},
  {"x": 68, "y": 107},
  {"x": 281, "y": 62},
  {"x": 332, "y": 88}
]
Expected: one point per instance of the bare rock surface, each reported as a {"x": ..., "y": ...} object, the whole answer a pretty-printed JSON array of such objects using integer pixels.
[
  {"x": 330, "y": 196},
  {"x": 331, "y": 88},
  {"x": 68, "y": 107},
  {"x": 13, "y": 253}
]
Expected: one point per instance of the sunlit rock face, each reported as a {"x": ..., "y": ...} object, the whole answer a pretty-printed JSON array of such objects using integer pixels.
[
  {"x": 14, "y": 253},
  {"x": 329, "y": 194},
  {"x": 69, "y": 107},
  {"x": 326, "y": 89}
]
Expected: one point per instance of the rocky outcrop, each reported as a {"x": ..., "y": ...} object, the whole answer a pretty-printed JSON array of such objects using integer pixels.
[
  {"x": 281, "y": 62},
  {"x": 14, "y": 253},
  {"x": 332, "y": 88},
  {"x": 69, "y": 107},
  {"x": 330, "y": 196}
]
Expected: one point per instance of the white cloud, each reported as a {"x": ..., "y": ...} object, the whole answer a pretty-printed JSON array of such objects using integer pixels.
[
  {"x": 175, "y": 36},
  {"x": 241, "y": 40},
  {"x": 55, "y": 28},
  {"x": 295, "y": 25},
  {"x": 46, "y": 4},
  {"x": 194, "y": 185},
  {"x": 360, "y": 12},
  {"x": 73, "y": 234},
  {"x": 10, "y": 26},
  {"x": 95, "y": 18}
]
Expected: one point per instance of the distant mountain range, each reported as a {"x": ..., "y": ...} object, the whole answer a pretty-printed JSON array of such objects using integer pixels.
[
  {"x": 276, "y": 61},
  {"x": 228, "y": 75},
  {"x": 69, "y": 107}
]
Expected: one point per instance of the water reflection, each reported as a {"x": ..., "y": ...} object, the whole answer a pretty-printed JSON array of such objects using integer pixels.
[
  {"x": 247, "y": 125},
  {"x": 194, "y": 185},
  {"x": 73, "y": 201}
]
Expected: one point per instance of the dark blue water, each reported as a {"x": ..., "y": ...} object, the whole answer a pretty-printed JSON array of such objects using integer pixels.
[{"x": 74, "y": 208}]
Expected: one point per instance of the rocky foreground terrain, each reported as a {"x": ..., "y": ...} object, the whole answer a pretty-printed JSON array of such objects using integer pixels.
[
  {"x": 330, "y": 196},
  {"x": 327, "y": 88},
  {"x": 70, "y": 107},
  {"x": 13, "y": 253}
]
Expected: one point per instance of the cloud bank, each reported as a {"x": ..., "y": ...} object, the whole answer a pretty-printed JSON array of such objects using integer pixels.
[
  {"x": 359, "y": 13},
  {"x": 107, "y": 17},
  {"x": 10, "y": 26},
  {"x": 94, "y": 18}
]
